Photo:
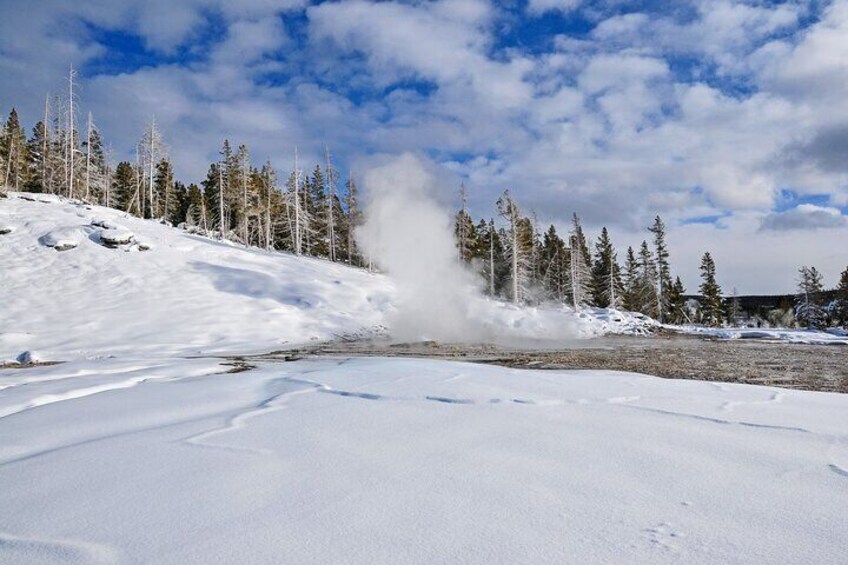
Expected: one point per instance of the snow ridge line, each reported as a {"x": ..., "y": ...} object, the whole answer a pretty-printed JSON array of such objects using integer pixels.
[
  {"x": 56, "y": 550},
  {"x": 71, "y": 395}
]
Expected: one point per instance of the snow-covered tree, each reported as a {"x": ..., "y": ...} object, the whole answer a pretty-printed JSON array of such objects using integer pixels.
[
  {"x": 808, "y": 307},
  {"x": 580, "y": 266}
]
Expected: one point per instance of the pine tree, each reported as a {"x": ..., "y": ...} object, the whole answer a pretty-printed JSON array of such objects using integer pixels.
[
  {"x": 840, "y": 314},
  {"x": 163, "y": 193},
  {"x": 711, "y": 302},
  {"x": 213, "y": 198},
  {"x": 123, "y": 185},
  {"x": 195, "y": 213},
  {"x": 632, "y": 295},
  {"x": 315, "y": 206},
  {"x": 607, "y": 288},
  {"x": 353, "y": 221},
  {"x": 677, "y": 303},
  {"x": 14, "y": 154},
  {"x": 38, "y": 153},
  {"x": 808, "y": 308},
  {"x": 554, "y": 265},
  {"x": 663, "y": 270},
  {"x": 647, "y": 281}
]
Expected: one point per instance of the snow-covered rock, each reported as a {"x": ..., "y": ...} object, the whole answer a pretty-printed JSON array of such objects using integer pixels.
[
  {"x": 114, "y": 237},
  {"x": 62, "y": 239},
  {"x": 28, "y": 358},
  {"x": 104, "y": 223},
  {"x": 4, "y": 229}
]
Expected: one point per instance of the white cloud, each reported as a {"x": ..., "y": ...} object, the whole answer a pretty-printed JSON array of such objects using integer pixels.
[
  {"x": 536, "y": 7},
  {"x": 805, "y": 217}
]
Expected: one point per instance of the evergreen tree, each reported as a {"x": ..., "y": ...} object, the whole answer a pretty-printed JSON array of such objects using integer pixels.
[
  {"x": 317, "y": 243},
  {"x": 632, "y": 294},
  {"x": 352, "y": 221},
  {"x": 607, "y": 287},
  {"x": 38, "y": 152},
  {"x": 554, "y": 265},
  {"x": 808, "y": 308},
  {"x": 711, "y": 302},
  {"x": 494, "y": 268},
  {"x": 123, "y": 186},
  {"x": 840, "y": 314},
  {"x": 14, "y": 154},
  {"x": 663, "y": 270},
  {"x": 677, "y": 303},
  {"x": 213, "y": 197},
  {"x": 167, "y": 206},
  {"x": 647, "y": 285}
]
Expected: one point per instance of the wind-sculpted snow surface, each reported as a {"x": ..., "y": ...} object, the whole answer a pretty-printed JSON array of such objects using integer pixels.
[{"x": 413, "y": 461}]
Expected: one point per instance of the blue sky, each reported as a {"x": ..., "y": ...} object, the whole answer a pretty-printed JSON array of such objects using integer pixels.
[{"x": 729, "y": 118}]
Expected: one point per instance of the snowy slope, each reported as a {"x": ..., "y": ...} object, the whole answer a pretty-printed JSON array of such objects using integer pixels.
[
  {"x": 185, "y": 295},
  {"x": 412, "y": 461}
]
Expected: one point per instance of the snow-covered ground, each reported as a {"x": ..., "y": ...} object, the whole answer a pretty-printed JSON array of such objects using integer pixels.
[
  {"x": 142, "y": 448},
  {"x": 784, "y": 335},
  {"x": 415, "y": 461}
]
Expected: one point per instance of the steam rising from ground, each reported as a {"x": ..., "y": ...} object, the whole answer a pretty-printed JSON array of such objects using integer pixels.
[{"x": 410, "y": 236}]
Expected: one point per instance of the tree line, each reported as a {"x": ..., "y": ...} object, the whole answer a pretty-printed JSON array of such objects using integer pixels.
[
  {"x": 238, "y": 201},
  {"x": 524, "y": 264}
]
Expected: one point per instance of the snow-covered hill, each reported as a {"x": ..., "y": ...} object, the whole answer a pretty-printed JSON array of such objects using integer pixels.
[{"x": 183, "y": 295}]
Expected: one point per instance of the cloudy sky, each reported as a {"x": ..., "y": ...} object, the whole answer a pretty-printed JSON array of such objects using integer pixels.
[{"x": 729, "y": 118}]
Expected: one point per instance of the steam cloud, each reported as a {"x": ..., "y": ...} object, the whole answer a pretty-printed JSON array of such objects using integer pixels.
[{"x": 411, "y": 237}]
